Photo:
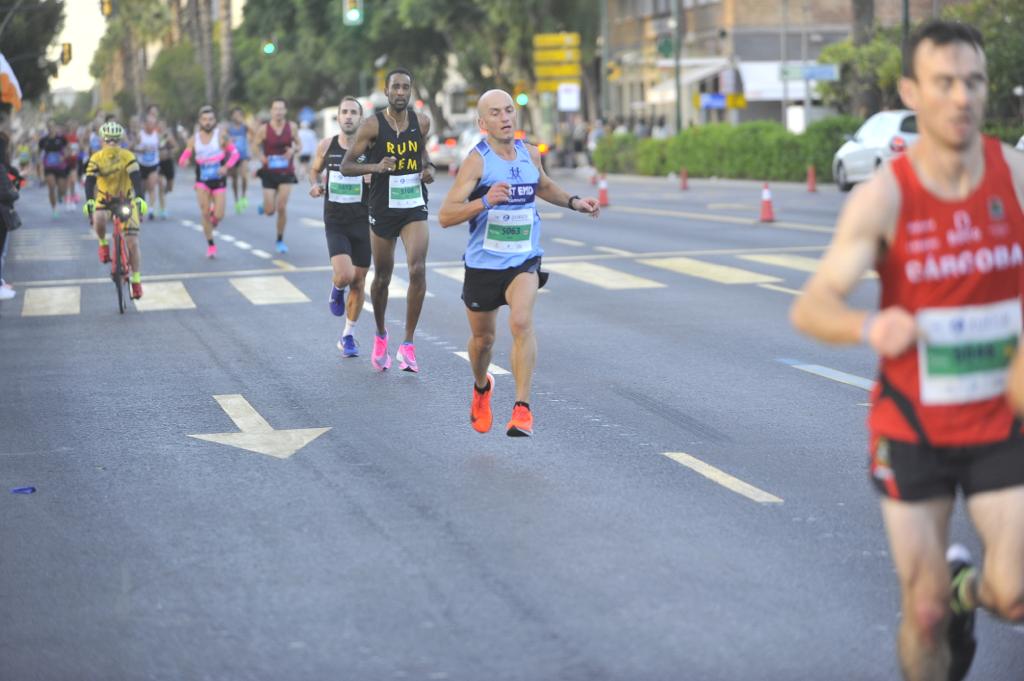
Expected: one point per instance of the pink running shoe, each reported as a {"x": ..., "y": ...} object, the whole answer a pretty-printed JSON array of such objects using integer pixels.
[
  {"x": 406, "y": 357},
  {"x": 211, "y": 251},
  {"x": 380, "y": 358}
]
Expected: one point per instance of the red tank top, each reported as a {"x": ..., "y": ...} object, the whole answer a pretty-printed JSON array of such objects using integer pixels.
[
  {"x": 274, "y": 146},
  {"x": 958, "y": 267}
]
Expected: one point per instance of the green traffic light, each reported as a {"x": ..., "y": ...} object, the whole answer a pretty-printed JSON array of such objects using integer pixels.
[
  {"x": 354, "y": 16},
  {"x": 269, "y": 48},
  {"x": 522, "y": 99}
]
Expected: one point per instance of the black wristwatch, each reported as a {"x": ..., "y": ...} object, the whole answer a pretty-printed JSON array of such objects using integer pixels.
[{"x": 571, "y": 199}]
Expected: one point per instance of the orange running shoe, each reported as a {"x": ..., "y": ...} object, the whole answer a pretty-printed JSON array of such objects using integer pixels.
[
  {"x": 521, "y": 424},
  {"x": 104, "y": 252},
  {"x": 480, "y": 408},
  {"x": 136, "y": 290}
]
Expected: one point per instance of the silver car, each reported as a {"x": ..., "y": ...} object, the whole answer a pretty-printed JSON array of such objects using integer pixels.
[{"x": 882, "y": 137}]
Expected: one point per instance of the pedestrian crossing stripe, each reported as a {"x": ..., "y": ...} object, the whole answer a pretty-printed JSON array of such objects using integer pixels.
[
  {"x": 398, "y": 288},
  {"x": 268, "y": 290},
  {"x": 722, "y": 274},
  {"x": 601, "y": 276},
  {"x": 165, "y": 295},
  {"x": 51, "y": 301},
  {"x": 30, "y": 245},
  {"x": 801, "y": 263}
]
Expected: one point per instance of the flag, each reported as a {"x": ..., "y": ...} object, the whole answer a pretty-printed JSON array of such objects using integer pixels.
[{"x": 10, "y": 89}]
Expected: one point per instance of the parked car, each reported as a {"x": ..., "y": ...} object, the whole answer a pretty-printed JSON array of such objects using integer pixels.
[
  {"x": 882, "y": 137},
  {"x": 467, "y": 140},
  {"x": 443, "y": 148}
]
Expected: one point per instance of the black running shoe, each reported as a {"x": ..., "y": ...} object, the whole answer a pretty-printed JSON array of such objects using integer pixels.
[{"x": 962, "y": 643}]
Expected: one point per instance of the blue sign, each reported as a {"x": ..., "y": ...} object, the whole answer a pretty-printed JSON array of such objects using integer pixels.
[
  {"x": 828, "y": 72},
  {"x": 307, "y": 115},
  {"x": 712, "y": 100}
]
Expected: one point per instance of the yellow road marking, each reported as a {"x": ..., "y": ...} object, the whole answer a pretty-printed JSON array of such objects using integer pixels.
[
  {"x": 58, "y": 300},
  {"x": 793, "y": 262},
  {"x": 284, "y": 265},
  {"x": 721, "y": 218},
  {"x": 780, "y": 289},
  {"x": 165, "y": 295},
  {"x": 724, "y": 479},
  {"x": 722, "y": 274},
  {"x": 599, "y": 275},
  {"x": 269, "y": 290}
]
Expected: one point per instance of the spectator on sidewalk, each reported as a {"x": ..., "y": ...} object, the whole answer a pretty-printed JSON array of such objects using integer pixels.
[
  {"x": 660, "y": 130},
  {"x": 593, "y": 138},
  {"x": 10, "y": 181}
]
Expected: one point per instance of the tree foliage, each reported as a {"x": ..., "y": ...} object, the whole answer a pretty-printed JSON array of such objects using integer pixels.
[
  {"x": 25, "y": 41},
  {"x": 175, "y": 82},
  {"x": 874, "y": 66}
]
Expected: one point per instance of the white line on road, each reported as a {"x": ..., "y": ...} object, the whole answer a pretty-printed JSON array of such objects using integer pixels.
[
  {"x": 831, "y": 374},
  {"x": 724, "y": 479},
  {"x": 310, "y": 222},
  {"x": 493, "y": 368},
  {"x": 568, "y": 242},
  {"x": 165, "y": 295},
  {"x": 59, "y": 300},
  {"x": 601, "y": 276},
  {"x": 269, "y": 290},
  {"x": 227, "y": 237},
  {"x": 721, "y": 274},
  {"x": 187, "y": 223},
  {"x": 244, "y": 245},
  {"x": 780, "y": 289},
  {"x": 614, "y": 251},
  {"x": 261, "y": 254}
]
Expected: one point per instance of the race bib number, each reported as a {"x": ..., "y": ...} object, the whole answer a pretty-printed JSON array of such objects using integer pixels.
[
  {"x": 405, "y": 191},
  {"x": 53, "y": 159},
  {"x": 277, "y": 162},
  {"x": 209, "y": 171},
  {"x": 149, "y": 158},
  {"x": 343, "y": 189},
  {"x": 508, "y": 231},
  {"x": 965, "y": 352}
]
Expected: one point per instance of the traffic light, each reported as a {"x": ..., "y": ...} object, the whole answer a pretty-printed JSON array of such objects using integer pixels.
[
  {"x": 269, "y": 47},
  {"x": 107, "y": 8},
  {"x": 65, "y": 53},
  {"x": 353, "y": 12},
  {"x": 522, "y": 99}
]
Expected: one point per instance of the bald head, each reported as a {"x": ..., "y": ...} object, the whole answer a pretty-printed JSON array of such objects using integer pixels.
[{"x": 497, "y": 114}]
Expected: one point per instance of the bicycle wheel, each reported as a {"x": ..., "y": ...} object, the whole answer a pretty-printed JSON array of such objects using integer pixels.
[{"x": 119, "y": 271}]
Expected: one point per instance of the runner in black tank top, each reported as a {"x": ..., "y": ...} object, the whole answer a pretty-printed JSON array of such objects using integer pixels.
[
  {"x": 345, "y": 221},
  {"x": 393, "y": 142}
]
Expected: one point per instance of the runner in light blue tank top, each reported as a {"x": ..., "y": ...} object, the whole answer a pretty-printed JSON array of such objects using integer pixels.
[
  {"x": 238, "y": 131},
  {"x": 509, "y": 234}
]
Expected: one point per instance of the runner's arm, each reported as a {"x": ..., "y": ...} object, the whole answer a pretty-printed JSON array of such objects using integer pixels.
[
  {"x": 425, "y": 163},
  {"x": 256, "y": 151},
  {"x": 136, "y": 177},
  {"x": 552, "y": 193},
  {"x": 316, "y": 164},
  {"x": 1015, "y": 391},
  {"x": 296, "y": 145},
  {"x": 456, "y": 207},
  {"x": 366, "y": 133},
  {"x": 821, "y": 311}
]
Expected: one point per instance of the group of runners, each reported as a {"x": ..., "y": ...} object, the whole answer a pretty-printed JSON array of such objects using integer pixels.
[{"x": 943, "y": 225}]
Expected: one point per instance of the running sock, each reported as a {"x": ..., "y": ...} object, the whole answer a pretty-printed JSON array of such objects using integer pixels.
[
  {"x": 136, "y": 277},
  {"x": 280, "y": 238},
  {"x": 209, "y": 241},
  {"x": 483, "y": 390},
  {"x": 964, "y": 596},
  {"x": 350, "y": 326},
  {"x": 104, "y": 242},
  {"x": 520, "y": 403}
]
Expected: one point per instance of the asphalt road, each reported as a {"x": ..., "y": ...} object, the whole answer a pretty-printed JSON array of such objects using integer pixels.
[{"x": 400, "y": 544}]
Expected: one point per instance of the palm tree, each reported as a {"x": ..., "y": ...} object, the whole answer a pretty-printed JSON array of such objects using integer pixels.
[
  {"x": 865, "y": 99},
  {"x": 203, "y": 10},
  {"x": 225, "y": 56}
]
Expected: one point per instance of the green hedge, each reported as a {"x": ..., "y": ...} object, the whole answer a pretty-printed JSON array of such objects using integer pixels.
[{"x": 755, "y": 150}]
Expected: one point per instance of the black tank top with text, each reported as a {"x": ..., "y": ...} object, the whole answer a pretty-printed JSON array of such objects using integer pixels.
[
  {"x": 396, "y": 194},
  {"x": 345, "y": 198}
]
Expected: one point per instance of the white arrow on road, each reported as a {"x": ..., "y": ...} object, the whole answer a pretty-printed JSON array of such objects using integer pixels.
[{"x": 257, "y": 435}]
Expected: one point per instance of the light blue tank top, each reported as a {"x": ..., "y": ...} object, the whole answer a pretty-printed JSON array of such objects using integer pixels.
[
  {"x": 240, "y": 138},
  {"x": 508, "y": 234}
]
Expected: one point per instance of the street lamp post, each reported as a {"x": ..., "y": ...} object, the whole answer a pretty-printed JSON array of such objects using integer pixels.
[
  {"x": 676, "y": 40},
  {"x": 783, "y": 39}
]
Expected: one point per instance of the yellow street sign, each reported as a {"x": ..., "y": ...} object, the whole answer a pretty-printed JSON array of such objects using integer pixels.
[
  {"x": 558, "y": 71},
  {"x": 735, "y": 101},
  {"x": 571, "y": 55},
  {"x": 562, "y": 39},
  {"x": 552, "y": 85},
  {"x": 614, "y": 73}
]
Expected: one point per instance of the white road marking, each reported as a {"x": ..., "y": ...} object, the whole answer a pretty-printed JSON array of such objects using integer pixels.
[
  {"x": 244, "y": 245},
  {"x": 261, "y": 254},
  {"x": 722, "y": 218},
  {"x": 724, "y": 479},
  {"x": 269, "y": 290},
  {"x": 456, "y": 273},
  {"x": 256, "y": 434},
  {"x": 831, "y": 374},
  {"x": 283, "y": 264},
  {"x": 57, "y": 300},
  {"x": 493, "y": 368},
  {"x": 780, "y": 289},
  {"x": 310, "y": 222},
  {"x": 722, "y": 274},
  {"x": 793, "y": 262},
  {"x": 551, "y": 215},
  {"x": 398, "y": 288},
  {"x": 601, "y": 276},
  {"x": 568, "y": 242},
  {"x": 187, "y": 223},
  {"x": 36, "y": 245},
  {"x": 614, "y": 251},
  {"x": 165, "y": 295},
  {"x": 226, "y": 237}
]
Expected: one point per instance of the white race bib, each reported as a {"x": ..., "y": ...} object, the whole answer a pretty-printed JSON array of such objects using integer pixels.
[
  {"x": 508, "y": 231},
  {"x": 344, "y": 189},
  {"x": 965, "y": 352},
  {"x": 405, "y": 191}
]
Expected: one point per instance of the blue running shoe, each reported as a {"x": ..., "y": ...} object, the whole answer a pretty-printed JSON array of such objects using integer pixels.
[
  {"x": 259, "y": 209},
  {"x": 348, "y": 346},
  {"x": 337, "y": 301},
  {"x": 281, "y": 248}
]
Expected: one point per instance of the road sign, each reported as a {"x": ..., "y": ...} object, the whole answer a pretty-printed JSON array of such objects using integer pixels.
[
  {"x": 552, "y": 85},
  {"x": 256, "y": 434},
  {"x": 555, "y": 71},
  {"x": 563, "y": 39},
  {"x": 824, "y": 72},
  {"x": 569, "y": 55},
  {"x": 569, "y": 96}
]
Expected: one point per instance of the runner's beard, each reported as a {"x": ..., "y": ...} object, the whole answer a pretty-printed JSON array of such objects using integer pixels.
[{"x": 208, "y": 129}]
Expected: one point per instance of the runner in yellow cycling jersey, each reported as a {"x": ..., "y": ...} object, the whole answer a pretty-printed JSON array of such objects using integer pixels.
[{"x": 112, "y": 172}]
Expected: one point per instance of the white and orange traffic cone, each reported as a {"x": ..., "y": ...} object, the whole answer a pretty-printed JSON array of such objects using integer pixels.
[
  {"x": 602, "y": 191},
  {"x": 812, "y": 179},
  {"x": 684, "y": 179},
  {"x": 767, "y": 213}
]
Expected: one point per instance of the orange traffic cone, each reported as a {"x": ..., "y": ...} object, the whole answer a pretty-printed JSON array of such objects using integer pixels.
[
  {"x": 684, "y": 179},
  {"x": 812, "y": 179},
  {"x": 602, "y": 191},
  {"x": 767, "y": 214}
]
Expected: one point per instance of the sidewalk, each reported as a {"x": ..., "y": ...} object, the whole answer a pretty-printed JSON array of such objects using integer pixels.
[{"x": 584, "y": 173}]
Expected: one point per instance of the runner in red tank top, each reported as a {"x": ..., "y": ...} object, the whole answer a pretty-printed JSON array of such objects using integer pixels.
[
  {"x": 943, "y": 224},
  {"x": 274, "y": 147}
]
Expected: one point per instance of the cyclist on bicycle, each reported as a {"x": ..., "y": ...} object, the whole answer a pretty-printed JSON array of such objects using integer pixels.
[{"x": 113, "y": 173}]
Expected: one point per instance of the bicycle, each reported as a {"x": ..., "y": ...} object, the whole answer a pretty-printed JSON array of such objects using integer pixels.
[{"x": 120, "y": 266}]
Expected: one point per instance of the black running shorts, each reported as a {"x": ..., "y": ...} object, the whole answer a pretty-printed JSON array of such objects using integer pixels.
[
  {"x": 352, "y": 239},
  {"x": 484, "y": 290},
  {"x": 391, "y": 228},
  {"x": 914, "y": 472},
  {"x": 146, "y": 171},
  {"x": 167, "y": 168},
  {"x": 275, "y": 180}
]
